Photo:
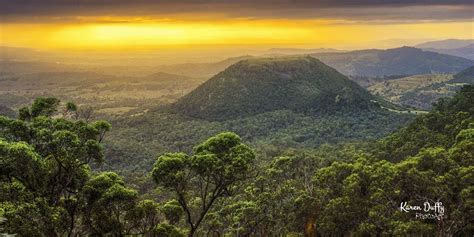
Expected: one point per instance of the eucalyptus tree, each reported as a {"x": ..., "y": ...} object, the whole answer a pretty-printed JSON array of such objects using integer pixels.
[
  {"x": 45, "y": 161},
  {"x": 216, "y": 170}
]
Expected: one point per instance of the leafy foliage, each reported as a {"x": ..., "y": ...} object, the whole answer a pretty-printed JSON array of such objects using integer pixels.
[
  {"x": 438, "y": 128},
  {"x": 46, "y": 184},
  {"x": 132, "y": 150},
  {"x": 224, "y": 187},
  {"x": 348, "y": 190},
  {"x": 215, "y": 170}
]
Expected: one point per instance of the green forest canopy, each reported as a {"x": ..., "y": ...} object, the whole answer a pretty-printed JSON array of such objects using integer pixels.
[{"x": 49, "y": 189}]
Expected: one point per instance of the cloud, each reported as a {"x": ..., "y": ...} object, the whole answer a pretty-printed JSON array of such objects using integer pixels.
[{"x": 362, "y": 10}]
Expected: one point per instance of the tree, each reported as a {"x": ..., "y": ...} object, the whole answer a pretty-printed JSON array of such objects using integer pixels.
[
  {"x": 167, "y": 230},
  {"x": 42, "y": 106},
  {"x": 215, "y": 170},
  {"x": 172, "y": 211},
  {"x": 46, "y": 186},
  {"x": 108, "y": 201},
  {"x": 44, "y": 166},
  {"x": 363, "y": 196},
  {"x": 143, "y": 217}
]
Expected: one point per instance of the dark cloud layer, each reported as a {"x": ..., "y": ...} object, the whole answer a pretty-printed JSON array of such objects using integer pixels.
[{"x": 367, "y": 10}]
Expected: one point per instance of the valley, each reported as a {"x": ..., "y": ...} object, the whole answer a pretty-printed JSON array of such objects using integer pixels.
[
  {"x": 109, "y": 95},
  {"x": 416, "y": 92},
  {"x": 135, "y": 86},
  {"x": 297, "y": 115},
  {"x": 283, "y": 101}
]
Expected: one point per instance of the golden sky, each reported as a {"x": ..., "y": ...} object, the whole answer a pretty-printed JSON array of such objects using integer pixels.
[
  {"x": 304, "y": 25},
  {"x": 226, "y": 32}
]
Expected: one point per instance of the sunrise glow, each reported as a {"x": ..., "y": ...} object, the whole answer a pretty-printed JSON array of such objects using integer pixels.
[{"x": 224, "y": 32}]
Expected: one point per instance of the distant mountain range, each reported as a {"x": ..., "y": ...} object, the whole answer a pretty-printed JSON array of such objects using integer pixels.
[
  {"x": 292, "y": 51},
  {"x": 370, "y": 63},
  {"x": 446, "y": 44},
  {"x": 366, "y": 63},
  {"x": 464, "y": 52},
  {"x": 257, "y": 85},
  {"x": 397, "y": 61},
  {"x": 455, "y": 47}
]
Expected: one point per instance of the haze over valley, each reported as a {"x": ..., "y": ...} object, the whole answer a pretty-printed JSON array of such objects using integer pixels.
[{"x": 138, "y": 93}]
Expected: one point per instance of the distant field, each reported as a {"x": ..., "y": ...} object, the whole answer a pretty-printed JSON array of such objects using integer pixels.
[
  {"x": 394, "y": 88},
  {"x": 109, "y": 95},
  {"x": 418, "y": 91}
]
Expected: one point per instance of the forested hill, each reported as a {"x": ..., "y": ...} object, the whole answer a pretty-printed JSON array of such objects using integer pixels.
[
  {"x": 257, "y": 85},
  {"x": 404, "y": 60},
  {"x": 439, "y": 128},
  {"x": 465, "y": 76}
]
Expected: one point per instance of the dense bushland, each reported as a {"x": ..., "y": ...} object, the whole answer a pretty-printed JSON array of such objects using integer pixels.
[{"x": 222, "y": 186}]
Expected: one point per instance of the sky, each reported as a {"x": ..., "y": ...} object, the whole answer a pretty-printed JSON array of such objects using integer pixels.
[{"x": 124, "y": 24}]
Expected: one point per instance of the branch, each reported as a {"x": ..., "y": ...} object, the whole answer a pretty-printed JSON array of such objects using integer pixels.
[{"x": 182, "y": 201}]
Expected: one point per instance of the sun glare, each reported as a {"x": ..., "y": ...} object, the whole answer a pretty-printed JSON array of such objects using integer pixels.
[{"x": 236, "y": 32}]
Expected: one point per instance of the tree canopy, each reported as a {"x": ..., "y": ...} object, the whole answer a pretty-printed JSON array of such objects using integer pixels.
[
  {"x": 224, "y": 187},
  {"x": 214, "y": 171}
]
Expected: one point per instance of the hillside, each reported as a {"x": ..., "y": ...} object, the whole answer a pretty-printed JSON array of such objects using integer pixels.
[
  {"x": 274, "y": 103},
  {"x": 397, "y": 61},
  {"x": 465, "y": 76},
  {"x": 260, "y": 85},
  {"x": 463, "y": 52}
]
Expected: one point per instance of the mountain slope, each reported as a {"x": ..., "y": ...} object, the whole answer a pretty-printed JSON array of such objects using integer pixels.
[
  {"x": 259, "y": 85},
  {"x": 398, "y": 61},
  {"x": 463, "y": 52},
  {"x": 466, "y": 76},
  {"x": 284, "y": 102}
]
